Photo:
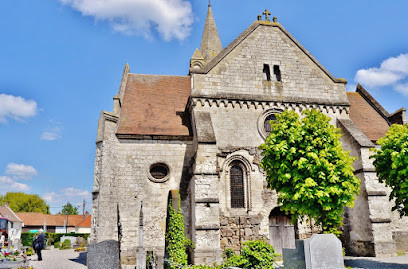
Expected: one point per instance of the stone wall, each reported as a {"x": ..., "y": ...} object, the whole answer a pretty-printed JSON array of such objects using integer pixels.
[
  {"x": 122, "y": 184},
  {"x": 236, "y": 230},
  {"x": 239, "y": 75}
]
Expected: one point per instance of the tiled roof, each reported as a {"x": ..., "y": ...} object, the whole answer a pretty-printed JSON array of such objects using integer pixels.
[
  {"x": 86, "y": 222},
  {"x": 6, "y": 212},
  {"x": 368, "y": 119},
  {"x": 155, "y": 105},
  {"x": 37, "y": 219}
]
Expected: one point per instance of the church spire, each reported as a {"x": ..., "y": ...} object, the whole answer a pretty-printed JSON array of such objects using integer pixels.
[{"x": 210, "y": 43}]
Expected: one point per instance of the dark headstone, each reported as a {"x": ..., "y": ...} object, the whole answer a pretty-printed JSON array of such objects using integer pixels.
[
  {"x": 323, "y": 251},
  {"x": 294, "y": 258},
  {"x": 104, "y": 255}
]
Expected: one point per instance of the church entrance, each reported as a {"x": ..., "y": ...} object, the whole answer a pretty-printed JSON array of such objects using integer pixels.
[{"x": 281, "y": 231}]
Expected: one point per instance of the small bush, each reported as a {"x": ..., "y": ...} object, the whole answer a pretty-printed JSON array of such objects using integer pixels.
[
  {"x": 66, "y": 244},
  {"x": 57, "y": 244},
  {"x": 255, "y": 254}
]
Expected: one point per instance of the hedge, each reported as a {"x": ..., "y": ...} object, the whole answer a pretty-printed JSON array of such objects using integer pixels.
[{"x": 28, "y": 238}]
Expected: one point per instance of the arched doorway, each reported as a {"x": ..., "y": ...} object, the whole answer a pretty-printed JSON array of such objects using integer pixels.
[{"x": 281, "y": 231}]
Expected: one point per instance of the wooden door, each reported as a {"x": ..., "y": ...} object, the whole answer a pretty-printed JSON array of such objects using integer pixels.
[{"x": 281, "y": 232}]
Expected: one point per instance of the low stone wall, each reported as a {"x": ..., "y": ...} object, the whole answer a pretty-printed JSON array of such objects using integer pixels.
[{"x": 236, "y": 230}]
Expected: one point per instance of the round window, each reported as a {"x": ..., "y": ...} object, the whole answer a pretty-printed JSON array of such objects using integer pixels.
[
  {"x": 264, "y": 125},
  {"x": 267, "y": 123},
  {"x": 159, "y": 172}
]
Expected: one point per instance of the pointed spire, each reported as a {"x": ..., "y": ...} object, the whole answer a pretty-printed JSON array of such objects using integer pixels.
[{"x": 210, "y": 43}]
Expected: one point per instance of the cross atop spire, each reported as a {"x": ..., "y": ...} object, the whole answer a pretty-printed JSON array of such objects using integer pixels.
[
  {"x": 209, "y": 3},
  {"x": 266, "y": 13}
]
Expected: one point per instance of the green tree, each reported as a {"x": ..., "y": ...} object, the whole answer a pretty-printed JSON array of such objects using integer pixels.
[
  {"x": 23, "y": 202},
  {"x": 176, "y": 240},
  {"x": 391, "y": 164},
  {"x": 306, "y": 165},
  {"x": 69, "y": 209}
]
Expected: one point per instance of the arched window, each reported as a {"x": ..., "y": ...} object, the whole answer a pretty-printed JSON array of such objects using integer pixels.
[{"x": 237, "y": 186}]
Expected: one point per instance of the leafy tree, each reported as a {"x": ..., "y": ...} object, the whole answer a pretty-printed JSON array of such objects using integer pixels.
[
  {"x": 69, "y": 209},
  {"x": 305, "y": 163},
  {"x": 391, "y": 164},
  {"x": 23, "y": 202}
]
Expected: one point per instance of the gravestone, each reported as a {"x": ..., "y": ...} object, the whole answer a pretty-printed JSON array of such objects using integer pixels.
[
  {"x": 72, "y": 239},
  {"x": 140, "y": 258},
  {"x": 104, "y": 255},
  {"x": 294, "y": 258},
  {"x": 323, "y": 251}
]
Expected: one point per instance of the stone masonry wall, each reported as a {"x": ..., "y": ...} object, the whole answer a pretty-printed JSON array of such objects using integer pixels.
[
  {"x": 240, "y": 74},
  {"x": 124, "y": 185},
  {"x": 235, "y": 230}
]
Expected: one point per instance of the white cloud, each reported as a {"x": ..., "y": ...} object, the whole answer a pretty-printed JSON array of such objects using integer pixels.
[
  {"x": 170, "y": 18},
  {"x": 8, "y": 184},
  {"x": 72, "y": 195},
  {"x": 52, "y": 132},
  {"x": 16, "y": 107},
  {"x": 49, "y": 197},
  {"x": 73, "y": 192},
  {"x": 392, "y": 72},
  {"x": 377, "y": 77},
  {"x": 20, "y": 171},
  {"x": 402, "y": 88}
]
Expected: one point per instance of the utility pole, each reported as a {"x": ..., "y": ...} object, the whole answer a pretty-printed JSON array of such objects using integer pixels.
[{"x": 83, "y": 208}]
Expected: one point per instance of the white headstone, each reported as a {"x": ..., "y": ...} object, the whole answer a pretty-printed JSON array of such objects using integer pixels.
[{"x": 323, "y": 251}]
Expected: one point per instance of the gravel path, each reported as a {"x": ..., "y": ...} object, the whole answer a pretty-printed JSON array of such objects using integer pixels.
[{"x": 61, "y": 259}]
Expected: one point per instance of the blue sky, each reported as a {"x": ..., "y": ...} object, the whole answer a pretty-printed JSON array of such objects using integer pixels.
[{"x": 61, "y": 63}]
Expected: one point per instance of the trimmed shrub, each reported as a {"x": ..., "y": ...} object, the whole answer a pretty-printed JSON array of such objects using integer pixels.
[{"x": 66, "y": 244}]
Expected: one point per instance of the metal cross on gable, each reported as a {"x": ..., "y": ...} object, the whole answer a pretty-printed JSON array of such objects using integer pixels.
[{"x": 266, "y": 13}]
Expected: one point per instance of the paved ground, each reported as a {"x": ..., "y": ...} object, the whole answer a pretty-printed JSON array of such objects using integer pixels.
[
  {"x": 59, "y": 259},
  {"x": 69, "y": 259},
  {"x": 398, "y": 262}
]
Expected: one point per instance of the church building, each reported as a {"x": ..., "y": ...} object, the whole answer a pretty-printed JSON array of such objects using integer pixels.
[{"x": 199, "y": 134}]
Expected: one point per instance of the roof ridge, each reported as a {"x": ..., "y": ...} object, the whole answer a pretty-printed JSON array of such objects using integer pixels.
[{"x": 374, "y": 103}]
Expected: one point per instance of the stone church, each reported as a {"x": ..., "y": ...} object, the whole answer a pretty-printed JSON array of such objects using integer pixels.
[{"x": 200, "y": 133}]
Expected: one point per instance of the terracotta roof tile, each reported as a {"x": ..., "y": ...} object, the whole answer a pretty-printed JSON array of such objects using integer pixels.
[
  {"x": 6, "y": 212},
  {"x": 373, "y": 125},
  {"x": 86, "y": 222},
  {"x": 37, "y": 219},
  {"x": 155, "y": 105}
]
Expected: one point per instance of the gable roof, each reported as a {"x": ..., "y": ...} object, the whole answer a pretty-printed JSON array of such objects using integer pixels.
[
  {"x": 155, "y": 105},
  {"x": 6, "y": 212},
  {"x": 245, "y": 34},
  {"x": 367, "y": 117},
  {"x": 37, "y": 219}
]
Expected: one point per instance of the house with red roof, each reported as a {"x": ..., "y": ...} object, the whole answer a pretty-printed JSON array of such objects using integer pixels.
[
  {"x": 13, "y": 225},
  {"x": 33, "y": 221}
]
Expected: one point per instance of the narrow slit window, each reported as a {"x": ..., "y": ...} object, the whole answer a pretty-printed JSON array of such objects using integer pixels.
[
  {"x": 266, "y": 72},
  {"x": 276, "y": 72}
]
